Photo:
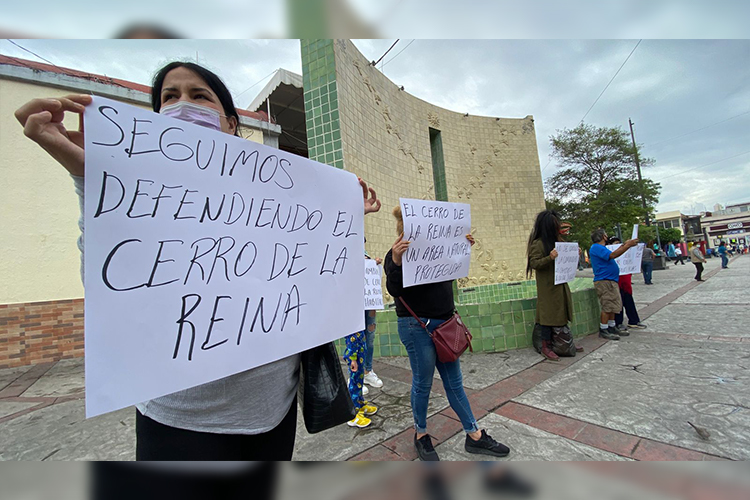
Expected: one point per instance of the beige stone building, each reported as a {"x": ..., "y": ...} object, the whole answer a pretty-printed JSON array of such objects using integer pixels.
[{"x": 357, "y": 119}]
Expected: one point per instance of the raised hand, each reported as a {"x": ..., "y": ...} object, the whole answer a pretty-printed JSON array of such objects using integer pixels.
[
  {"x": 42, "y": 123},
  {"x": 399, "y": 247},
  {"x": 372, "y": 203}
]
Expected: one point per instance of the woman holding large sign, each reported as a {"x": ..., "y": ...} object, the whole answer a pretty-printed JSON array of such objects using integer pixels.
[
  {"x": 554, "y": 308},
  {"x": 247, "y": 416},
  {"x": 433, "y": 304}
]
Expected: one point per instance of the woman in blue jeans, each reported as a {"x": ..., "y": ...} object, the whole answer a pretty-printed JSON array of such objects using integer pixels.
[{"x": 433, "y": 304}]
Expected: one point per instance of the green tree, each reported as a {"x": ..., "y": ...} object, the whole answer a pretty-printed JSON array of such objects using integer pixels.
[
  {"x": 589, "y": 159},
  {"x": 597, "y": 184}
]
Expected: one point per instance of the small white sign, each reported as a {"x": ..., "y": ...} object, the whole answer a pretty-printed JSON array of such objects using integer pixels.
[
  {"x": 207, "y": 255},
  {"x": 566, "y": 263},
  {"x": 439, "y": 250},
  {"x": 373, "y": 286},
  {"x": 635, "y": 232},
  {"x": 630, "y": 261}
]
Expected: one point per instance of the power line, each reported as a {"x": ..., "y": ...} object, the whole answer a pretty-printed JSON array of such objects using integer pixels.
[
  {"x": 611, "y": 80},
  {"x": 547, "y": 165},
  {"x": 698, "y": 130},
  {"x": 375, "y": 63},
  {"x": 32, "y": 53},
  {"x": 602, "y": 92},
  {"x": 254, "y": 84},
  {"x": 701, "y": 166},
  {"x": 399, "y": 53}
]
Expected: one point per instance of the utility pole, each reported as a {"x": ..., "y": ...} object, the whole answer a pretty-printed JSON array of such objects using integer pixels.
[{"x": 638, "y": 168}]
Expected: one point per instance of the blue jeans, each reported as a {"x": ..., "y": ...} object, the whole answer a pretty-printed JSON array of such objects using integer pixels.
[
  {"x": 648, "y": 270},
  {"x": 370, "y": 326},
  {"x": 724, "y": 260},
  {"x": 423, "y": 360}
]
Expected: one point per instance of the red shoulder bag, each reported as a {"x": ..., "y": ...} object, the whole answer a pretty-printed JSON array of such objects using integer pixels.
[{"x": 451, "y": 338}]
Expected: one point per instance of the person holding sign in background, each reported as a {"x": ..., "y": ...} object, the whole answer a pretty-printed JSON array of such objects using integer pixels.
[
  {"x": 251, "y": 415},
  {"x": 606, "y": 277},
  {"x": 433, "y": 304},
  {"x": 554, "y": 308},
  {"x": 625, "y": 283},
  {"x": 371, "y": 378}
]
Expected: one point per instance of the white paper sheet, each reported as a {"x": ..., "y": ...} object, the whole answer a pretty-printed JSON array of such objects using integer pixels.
[
  {"x": 439, "y": 250},
  {"x": 207, "y": 255}
]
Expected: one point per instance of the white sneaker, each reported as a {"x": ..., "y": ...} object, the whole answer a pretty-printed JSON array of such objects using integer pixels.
[{"x": 373, "y": 380}]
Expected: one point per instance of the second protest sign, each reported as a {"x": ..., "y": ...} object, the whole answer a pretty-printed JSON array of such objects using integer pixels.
[{"x": 439, "y": 250}]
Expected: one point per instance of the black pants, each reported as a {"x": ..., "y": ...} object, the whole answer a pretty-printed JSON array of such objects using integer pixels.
[
  {"x": 698, "y": 269},
  {"x": 629, "y": 308},
  {"x": 115, "y": 481},
  {"x": 155, "y": 441}
]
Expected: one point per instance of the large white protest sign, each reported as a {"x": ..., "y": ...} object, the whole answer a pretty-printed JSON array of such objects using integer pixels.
[
  {"x": 207, "y": 255},
  {"x": 439, "y": 250},
  {"x": 630, "y": 261},
  {"x": 566, "y": 263},
  {"x": 373, "y": 286}
]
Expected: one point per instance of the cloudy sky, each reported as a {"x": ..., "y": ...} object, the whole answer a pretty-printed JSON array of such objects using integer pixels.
[{"x": 689, "y": 99}]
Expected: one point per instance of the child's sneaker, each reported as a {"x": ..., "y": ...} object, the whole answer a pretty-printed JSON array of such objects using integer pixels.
[
  {"x": 359, "y": 421},
  {"x": 369, "y": 409}
]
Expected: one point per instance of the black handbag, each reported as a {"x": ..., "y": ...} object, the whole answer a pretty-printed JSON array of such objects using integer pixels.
[{"x": 323, "y": 391}]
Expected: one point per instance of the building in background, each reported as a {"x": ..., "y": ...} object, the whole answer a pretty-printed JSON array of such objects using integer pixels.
[
  {"x": 41, "y": 295},
  {"x": 346, "y": 113},
  {"x": 731, "y": 225}
]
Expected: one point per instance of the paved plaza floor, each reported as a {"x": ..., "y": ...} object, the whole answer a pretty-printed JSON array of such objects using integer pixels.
[{"x": 635, "y": 399}]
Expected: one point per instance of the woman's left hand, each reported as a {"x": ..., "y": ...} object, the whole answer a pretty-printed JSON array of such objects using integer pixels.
[
  {"x": 471, "y": 239},
  {"x": 378, "y": 260},
  {"x": 372, "y": 203}
]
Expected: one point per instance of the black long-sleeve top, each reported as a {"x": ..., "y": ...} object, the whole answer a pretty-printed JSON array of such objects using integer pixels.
[{"x": 433, "y": 300}]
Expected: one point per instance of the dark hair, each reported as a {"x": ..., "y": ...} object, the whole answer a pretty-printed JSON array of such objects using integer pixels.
[
  {"x": 213, "y": 81},
  {"x": 613, "y": 240},
  {"x": 598, "y": 235},
  {"x": 547, "y": 229}
]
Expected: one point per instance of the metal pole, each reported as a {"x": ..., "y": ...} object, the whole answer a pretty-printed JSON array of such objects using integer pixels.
[
  {"x": 658, "y": 240},
  {"x": 638, "y": 169}
]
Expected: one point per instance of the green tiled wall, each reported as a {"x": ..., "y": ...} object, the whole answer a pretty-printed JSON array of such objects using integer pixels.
[
  {"x": 498, "y": 292},
  {"x": 321, "y": 102},
  {"x": 498, "y": 324}
]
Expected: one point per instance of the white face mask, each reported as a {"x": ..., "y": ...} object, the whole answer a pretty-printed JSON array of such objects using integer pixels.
[{"x": 193, "y": 113}]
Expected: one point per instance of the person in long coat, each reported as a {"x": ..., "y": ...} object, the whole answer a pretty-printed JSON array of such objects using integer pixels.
[{"x": 554, "y": 302}]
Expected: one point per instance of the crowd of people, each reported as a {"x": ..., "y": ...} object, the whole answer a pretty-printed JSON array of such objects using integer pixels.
[{"x": 252, "y": 415}]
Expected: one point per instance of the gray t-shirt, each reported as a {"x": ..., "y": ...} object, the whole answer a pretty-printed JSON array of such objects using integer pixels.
[{"x": 250, "y": 402}]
